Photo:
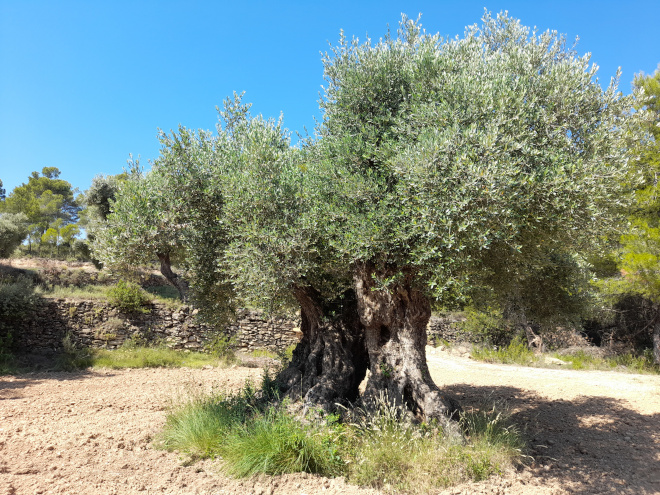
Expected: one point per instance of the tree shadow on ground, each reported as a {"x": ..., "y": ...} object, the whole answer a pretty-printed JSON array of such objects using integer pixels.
[{"x": 586, "y": 445}]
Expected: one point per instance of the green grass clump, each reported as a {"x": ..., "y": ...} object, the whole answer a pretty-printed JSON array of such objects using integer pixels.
[
  {"x": 517, "y": 352},
  {"x": 196, "y": 426},
  {"x": 87, "y": 292},
  {"x": 149, "y": 357},
  {"x": 580, "y": 360},
  {"x": 390, "y": 452},
  {"x": 276, "y": 442},
  {"x": 381, "y": 449}
]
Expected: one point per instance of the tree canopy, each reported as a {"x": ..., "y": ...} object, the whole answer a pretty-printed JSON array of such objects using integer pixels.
[
  {"x": 46, "y": 200},
  {"x": 639, "y": 259}
]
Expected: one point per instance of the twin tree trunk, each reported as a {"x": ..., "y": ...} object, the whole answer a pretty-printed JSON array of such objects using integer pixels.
[{"x": 380, "y": 330}]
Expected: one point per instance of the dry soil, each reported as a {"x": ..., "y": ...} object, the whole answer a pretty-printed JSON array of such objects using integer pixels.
[{"x": 90, "y": 432}]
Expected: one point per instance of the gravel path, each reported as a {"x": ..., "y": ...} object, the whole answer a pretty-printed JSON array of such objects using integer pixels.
[{"x": 91, "y": 432}]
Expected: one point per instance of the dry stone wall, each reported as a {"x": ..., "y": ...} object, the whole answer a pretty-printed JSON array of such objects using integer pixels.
[
  {"x": 98, "y": 325},
  {"x": 445, "y": 328}
]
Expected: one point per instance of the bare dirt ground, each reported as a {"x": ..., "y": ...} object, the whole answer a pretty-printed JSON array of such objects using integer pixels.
[{"x": 90, "y": 432}]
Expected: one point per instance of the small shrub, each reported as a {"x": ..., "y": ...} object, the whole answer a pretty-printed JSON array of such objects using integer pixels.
[
  {"x": 222, "y": 346},
  {"x": 388, "y": 451},
  {"x": 128, "y": 297},
  {"x": 7, "y": 360},
  {"x": 73, "y": 357},
  {"x": 285, "y": 356},
  {"x": 18, "y": 302}
]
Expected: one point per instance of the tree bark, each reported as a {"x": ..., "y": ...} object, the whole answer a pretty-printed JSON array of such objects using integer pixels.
[
  {"x": 331, "y": 360},
  {"x": 172, "y": 278},
  {"x": 656, "y": 343},
  {"x": 395, "y": 319}
]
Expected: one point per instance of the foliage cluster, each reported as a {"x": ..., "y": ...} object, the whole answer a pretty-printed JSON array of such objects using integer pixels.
[
  {"x": 13, "y": 231},
  {"x": 19, "y": 298},
  {"x": 638, "y": 255},
  {"x": 128, "y": 297},
  {"x": 50, "y": 211},
  {"x": 221, "y": 346}
]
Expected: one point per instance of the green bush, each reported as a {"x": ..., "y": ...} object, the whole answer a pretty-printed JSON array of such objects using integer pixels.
[
  {"x": 485, "y": 326},
  {"x": 221, "y": 345},
  {"x": 128, "y": 297},
  {"x": 18, "y": 301},
  {"x": 72, "y": 357}
]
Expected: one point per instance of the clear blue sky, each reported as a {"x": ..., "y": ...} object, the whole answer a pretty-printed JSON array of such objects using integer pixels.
[{"x": 85, "y": 83}]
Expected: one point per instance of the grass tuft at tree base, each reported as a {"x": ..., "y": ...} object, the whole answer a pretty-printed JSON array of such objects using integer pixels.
[{"x": 382, "y": 449}]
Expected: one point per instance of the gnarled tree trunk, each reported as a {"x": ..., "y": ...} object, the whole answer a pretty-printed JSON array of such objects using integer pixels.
[
  {"x": 172, "y": 278},
  {"x": 331, "y": 360},
  {"x": 395, "y": 319}
]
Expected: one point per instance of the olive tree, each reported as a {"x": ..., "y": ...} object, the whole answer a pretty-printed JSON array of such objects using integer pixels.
[
  {"x": 139, "y": 226},
  {"x": 435, "y": 159}
]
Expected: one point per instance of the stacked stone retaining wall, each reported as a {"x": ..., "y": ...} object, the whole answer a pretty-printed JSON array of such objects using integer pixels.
[{"x": 98, "y": 325}]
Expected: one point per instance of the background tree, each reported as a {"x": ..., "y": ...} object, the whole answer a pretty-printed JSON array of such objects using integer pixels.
[
  {"x": 97, "y": 203},
  {"x": 13, "y": 231},
  {"x": 3, "y": 192},
  {"x": 147, "y": 219},
  {"x": 139, "y": 227},
  {"x": 43, "y": 199},
  {"x": 640, "y": 248}
]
